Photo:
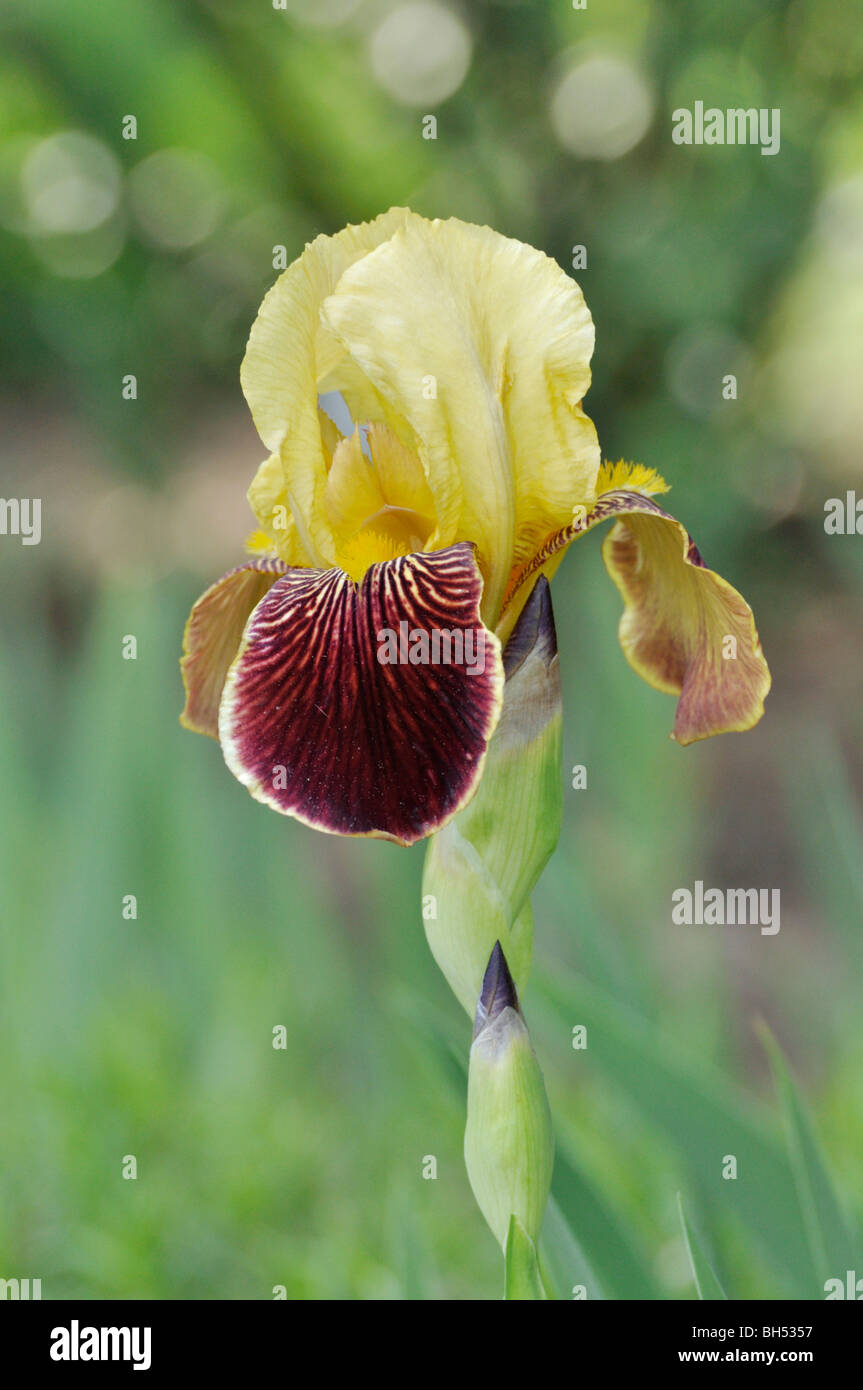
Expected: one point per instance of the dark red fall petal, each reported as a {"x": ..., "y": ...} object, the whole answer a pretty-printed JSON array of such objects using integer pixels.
[
  {"x": 213, "y": 635},
  {"x": 317, "y": 726}
]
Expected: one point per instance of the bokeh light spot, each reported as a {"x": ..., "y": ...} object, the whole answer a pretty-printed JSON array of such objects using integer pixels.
[
  {"x": 71, "y": 183},
  {"x": 698, "y": 360},
  {"x": 82, "y": 255},
  {"x": 177, "y": 197},
  {"x": 601, "y": 107},
  {"x": 839, "y": 221},
  {"x": 420, "y": 53}
]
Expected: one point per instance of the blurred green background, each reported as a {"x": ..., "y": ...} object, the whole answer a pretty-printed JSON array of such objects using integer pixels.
[{"x": 302, "y": 1167}]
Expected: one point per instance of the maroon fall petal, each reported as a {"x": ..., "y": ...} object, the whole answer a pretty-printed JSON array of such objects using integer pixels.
[{"x": 366, "y": 709}]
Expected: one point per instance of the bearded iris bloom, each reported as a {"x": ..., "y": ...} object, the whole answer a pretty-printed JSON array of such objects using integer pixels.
[
  {"x": 463, "y": 358},
  {"x": 385, "y": 663}
]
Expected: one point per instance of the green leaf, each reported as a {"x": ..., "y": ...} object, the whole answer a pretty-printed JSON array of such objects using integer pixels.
[
  {"x": 831, "y": 1243},
  {"x": 521, "y": 1278},
  {"x": 706, "y": 1118},
  {"x": 619, "y": 1268},
  {"x": 562, "y": 1261},
  {"x": 706, "y": 1282},
  {"x": 829, "y": 833}
]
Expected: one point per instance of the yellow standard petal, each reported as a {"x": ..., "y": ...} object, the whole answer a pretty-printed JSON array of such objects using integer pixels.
[
  {"x": 482, "y": 345},
  {"x": 289, "y": 355},
  {"x": 279, "y": 533}
]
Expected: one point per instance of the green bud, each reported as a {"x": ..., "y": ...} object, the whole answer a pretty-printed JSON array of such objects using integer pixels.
[
  {"x": 508, "y": 1144},
  {"x": 481, "y": 868}
]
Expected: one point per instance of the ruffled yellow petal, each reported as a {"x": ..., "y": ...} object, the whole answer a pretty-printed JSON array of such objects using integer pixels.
[
  {"x": 269, "y": 500},
  {"x": 400, "y": 473},
  {"x": 364, "y": 402},
  {"x": 290, "y": 353},
  {"x": 352, "y": 494},
  {"x": 482, "y": 345},
  {"x": 331, "y": 436}
]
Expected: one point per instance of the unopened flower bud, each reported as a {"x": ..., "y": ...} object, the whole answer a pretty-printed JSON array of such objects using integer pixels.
[{"x": 508, "y": 1144}]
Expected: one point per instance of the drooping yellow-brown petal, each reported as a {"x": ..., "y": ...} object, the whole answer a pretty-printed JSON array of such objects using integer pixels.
[
  {"x": 482, "y": 345},
  {"x": 212, "y": 638},
  {"x": 336, "y": 711},
  {"x": 290, "y": 355},
  {"x": 684, "y": 629}
]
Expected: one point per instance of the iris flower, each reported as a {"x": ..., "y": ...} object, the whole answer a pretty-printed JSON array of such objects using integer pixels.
[{"x": 463, "y": 358}]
